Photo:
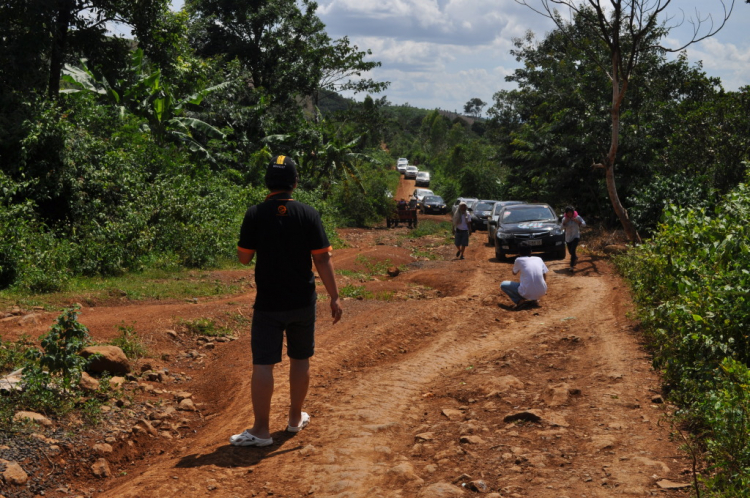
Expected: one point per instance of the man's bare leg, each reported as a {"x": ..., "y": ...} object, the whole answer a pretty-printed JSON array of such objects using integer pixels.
[
  {"x": 262, "y": 391},
  {"x": 299, "y": 381}
]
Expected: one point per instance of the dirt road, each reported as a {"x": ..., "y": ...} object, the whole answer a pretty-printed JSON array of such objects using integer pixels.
[{"x": 427, "y": 384}]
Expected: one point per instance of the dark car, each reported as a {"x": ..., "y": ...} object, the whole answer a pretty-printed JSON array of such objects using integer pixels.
[
  {"x": 434, "y": 204},
  {"x": 494, "y": 215},
  {"x": 480, "y": 213},
  {"x": 536, "y": 225}
]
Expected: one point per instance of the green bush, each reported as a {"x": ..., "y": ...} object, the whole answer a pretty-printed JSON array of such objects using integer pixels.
[
  {"x": 725, "y": 412},
  {"x": 368, "y": 200},
  {"x": 691, "y": 283},
  {"x": 58, "y": 363}
]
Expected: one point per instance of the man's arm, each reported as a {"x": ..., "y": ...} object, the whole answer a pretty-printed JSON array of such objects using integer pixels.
[
  {"x": 324, "y": 265},
  {"x": 245, "y": 255}
]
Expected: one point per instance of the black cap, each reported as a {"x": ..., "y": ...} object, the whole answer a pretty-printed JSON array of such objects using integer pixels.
[{"x": 281, "y": 173}]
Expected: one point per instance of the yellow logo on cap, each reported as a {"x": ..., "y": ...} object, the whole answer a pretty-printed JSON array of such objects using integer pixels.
[{"x": 280, "y": 159}]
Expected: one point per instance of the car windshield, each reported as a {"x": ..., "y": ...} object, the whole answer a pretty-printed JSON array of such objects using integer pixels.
[
  {"x": 484, "y": 206},
  {"x": 434, "y": 198},
  {"x": 536, "y": 213}
]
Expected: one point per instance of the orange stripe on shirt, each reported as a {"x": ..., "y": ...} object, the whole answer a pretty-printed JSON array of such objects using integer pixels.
[
  {"x": 279, "y": 192},
  {"x": 321, "y": 251}
]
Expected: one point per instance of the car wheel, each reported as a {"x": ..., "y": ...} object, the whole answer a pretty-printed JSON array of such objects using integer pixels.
[
  {"x": 499, "y": 253},
  {"x": 490, "y": 238},
  {"x": 560, "y": 253}
]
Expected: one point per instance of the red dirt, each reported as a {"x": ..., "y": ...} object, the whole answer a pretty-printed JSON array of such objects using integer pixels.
[{"x": 399, "y": 384}]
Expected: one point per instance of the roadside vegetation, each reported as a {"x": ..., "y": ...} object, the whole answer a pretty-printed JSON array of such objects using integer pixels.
[
  {"x": 691, "y": 283},
  {"x": 51, "y": 375},
  {"x": 126, "y": 167}
]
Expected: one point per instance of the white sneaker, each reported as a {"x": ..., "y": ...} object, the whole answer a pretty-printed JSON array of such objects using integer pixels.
[{"x": 247, "y": 439}]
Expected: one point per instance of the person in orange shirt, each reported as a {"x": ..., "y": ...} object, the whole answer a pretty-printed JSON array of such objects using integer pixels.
[{"x": 286, "y": 237}]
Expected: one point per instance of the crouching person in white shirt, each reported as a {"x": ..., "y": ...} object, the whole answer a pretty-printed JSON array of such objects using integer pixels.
[{"x": 533, "y": 284}]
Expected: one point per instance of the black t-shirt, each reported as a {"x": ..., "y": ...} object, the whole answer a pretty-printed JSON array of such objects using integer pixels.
[{"x": 283, "y": 234}]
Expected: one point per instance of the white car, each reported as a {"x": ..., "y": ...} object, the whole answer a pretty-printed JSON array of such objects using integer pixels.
[
  {"x": 411, "y": 172},
  {"x": 401, "y": 164},
  {"x": 423, "y": 179}
]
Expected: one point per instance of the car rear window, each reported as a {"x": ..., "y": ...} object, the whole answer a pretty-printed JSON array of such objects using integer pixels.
[
  {"x": 433, "y": 198},
  {"x": 540, "y": 213},
  {"x": 484, "y": 206}
]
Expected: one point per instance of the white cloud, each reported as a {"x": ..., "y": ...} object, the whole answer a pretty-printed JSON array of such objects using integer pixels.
[
  {"x": 441, "y": 53},
  {"x": 728, "y": 60}
]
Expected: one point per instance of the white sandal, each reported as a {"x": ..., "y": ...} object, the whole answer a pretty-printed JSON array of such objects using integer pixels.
[
  {"x": 303, "y": 423},
  {"x": 247, "y": 439}
]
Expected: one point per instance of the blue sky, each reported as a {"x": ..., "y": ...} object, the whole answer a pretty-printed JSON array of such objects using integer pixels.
[{"x": 441, "y": 53}]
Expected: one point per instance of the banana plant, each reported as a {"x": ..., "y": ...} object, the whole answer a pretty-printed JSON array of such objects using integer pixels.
[{"x": 150, "y": 98}]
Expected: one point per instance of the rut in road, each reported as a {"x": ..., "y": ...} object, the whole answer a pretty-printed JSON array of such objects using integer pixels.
[{"x": 360, "y": 455}]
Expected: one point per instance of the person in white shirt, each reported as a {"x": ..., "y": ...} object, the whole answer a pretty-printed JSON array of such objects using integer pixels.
[
  {"x": 533, "y": 279},
  {"x": 462, "y": 229},
  {"x": 572, "y": 224}
]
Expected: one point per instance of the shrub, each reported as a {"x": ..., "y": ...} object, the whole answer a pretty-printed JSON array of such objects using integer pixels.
[
  {"x": 725, "y": 412},
  {"x": 58, "y": 363},
  {"x": 365, "y": 201},
  {"x": 691, "y": 283},
  {"x": 205, "y": 326},
  {"x": 130, "y": 343}
]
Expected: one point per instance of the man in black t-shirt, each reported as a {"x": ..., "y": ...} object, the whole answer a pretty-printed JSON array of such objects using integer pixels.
[{"x": 287, "y": 237}]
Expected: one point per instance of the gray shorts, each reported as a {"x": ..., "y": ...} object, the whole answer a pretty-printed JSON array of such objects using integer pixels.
[
  {"x": 462, "y": 238},
  {"x": 267, "y": 335}
]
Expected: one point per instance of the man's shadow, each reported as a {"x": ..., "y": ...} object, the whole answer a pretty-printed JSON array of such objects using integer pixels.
[
  {"x": 240, "y": 456},
  {"x": 526, "y": 307},
  {"x": 584, "y": 268}
]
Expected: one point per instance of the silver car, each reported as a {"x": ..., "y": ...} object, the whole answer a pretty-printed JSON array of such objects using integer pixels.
[
  {"x": 411, "y": 172},
  {"x": 401, "y": 164}
]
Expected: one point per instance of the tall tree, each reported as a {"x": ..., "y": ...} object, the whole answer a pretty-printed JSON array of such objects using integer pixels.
[
  {"x": 278, "y": 41},
  {"x": 474, "y": 107},
  {"x": 341, "y": 63},
  {"x": 628, "y": 29},
  {"x": 71, "y": 25}
]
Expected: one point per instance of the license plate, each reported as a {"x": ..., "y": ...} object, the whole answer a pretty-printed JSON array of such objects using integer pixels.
[{"x": 534, "y": 242}]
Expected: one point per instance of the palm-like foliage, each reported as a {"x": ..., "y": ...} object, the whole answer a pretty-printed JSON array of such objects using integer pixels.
[{"x": 149, "y": 97}]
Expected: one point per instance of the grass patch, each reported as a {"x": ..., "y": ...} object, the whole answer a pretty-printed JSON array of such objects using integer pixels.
[
  {"x": 373, "y": 267},
  {"x": 418, "y": 253},
  {"x": 152, "y": 284},
  {"x": 351, "y": 273},
  {"x": 355, "y": 292},
  {"x": 430, "y": 227},
  {"x": 385, "y": 296},
  {"x": 359, "y": 292},
  {"x": 12, "y": 354},
  {"x": 205, "y": 326},
  {"x": 130, "y": 343}
]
